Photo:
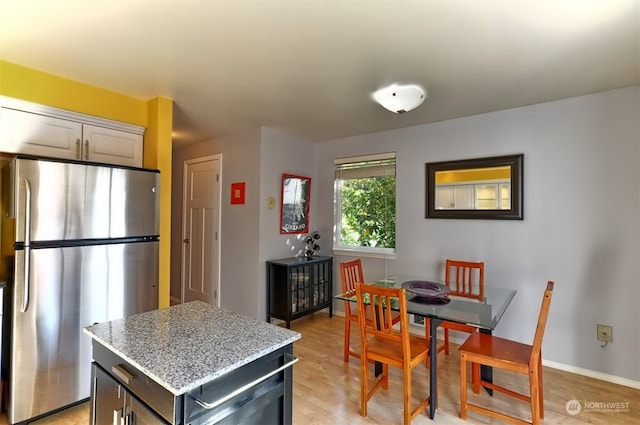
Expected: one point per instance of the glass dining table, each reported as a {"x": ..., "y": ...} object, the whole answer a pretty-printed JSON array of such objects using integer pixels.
[{"x": 484, "y": 315}]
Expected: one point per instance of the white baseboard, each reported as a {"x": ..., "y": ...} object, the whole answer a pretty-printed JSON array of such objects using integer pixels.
[
  {"x": 417, "y": 329},
  {"x": 592, "y": 374}
]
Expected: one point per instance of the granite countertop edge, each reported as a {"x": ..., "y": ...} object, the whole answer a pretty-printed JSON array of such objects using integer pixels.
[{"x": 185, "y": 360}]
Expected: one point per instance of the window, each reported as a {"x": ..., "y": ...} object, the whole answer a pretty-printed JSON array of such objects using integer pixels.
[{"x": 365, "y": 204}]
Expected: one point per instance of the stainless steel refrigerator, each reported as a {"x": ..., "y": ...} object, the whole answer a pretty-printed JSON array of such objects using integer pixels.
[{"x": 80, "y": 246}]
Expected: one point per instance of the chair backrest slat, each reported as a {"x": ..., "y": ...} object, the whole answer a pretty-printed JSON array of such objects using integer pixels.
[{"x": 467, "y": 279}]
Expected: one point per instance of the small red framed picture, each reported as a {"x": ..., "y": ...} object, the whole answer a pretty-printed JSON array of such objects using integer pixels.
[{"x": 237, "y": 193}]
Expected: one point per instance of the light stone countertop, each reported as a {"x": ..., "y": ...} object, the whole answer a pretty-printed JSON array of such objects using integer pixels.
[{"x": 188, "y": 345}]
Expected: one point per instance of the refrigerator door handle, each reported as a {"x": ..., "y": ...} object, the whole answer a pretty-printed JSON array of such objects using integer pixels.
[{"x": 27, "y": 245}]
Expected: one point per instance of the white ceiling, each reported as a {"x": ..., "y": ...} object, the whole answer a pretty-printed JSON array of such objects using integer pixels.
[{"x": 308, "y": 67}]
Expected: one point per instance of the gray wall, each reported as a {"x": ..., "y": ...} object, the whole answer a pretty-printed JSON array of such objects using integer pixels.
[
  {"x": 249, "y": 233},
  {"x": 239, "y": 247},
  {"x": 581, "y": 226},
  {"x": 178, "y": 158},
  {"x": 281, "y": 153}
]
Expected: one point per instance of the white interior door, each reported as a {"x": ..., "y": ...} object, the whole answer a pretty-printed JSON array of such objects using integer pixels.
[{"x": 200, "y": 230}]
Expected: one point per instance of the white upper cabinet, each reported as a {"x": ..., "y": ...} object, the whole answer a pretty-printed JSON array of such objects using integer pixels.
[
  {"x": 22, "y": 132},
  {"x": 111, "y": 146},
  {"x": 61, "y": 134}
]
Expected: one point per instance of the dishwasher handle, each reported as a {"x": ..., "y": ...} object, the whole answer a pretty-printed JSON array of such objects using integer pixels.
[{"x": 242, "y": 389}]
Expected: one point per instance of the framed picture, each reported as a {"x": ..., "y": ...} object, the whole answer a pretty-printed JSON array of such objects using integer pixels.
[{"x": 294, "y": 209}]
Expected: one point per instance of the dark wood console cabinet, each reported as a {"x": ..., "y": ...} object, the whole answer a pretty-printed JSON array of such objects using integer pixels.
[{"x": 299, "y": 286}]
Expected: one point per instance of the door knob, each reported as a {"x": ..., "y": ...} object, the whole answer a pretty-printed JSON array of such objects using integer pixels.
[{"x": 185, "y": 240}]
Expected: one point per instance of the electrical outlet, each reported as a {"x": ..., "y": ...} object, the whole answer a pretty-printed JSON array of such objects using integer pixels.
[
  {"x": 605, "y": 333},
  {"x": 418, "y": 320}
]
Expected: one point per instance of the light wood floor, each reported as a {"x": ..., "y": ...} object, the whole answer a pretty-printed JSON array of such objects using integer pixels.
[{"x": 327, "y": 391}]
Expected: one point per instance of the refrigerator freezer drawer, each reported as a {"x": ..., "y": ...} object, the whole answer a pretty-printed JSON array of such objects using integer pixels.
[
  {"x": 69, "y": 201},
  {"x": 71, "y": 288}
]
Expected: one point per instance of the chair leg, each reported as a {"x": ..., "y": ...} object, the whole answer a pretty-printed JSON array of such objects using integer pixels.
[
  {"x": 364, "y": 391},
  {"x": 385, "y": 376},
  {"x": 347, "y": 338},
  {"x": 427, "y": 334},
  {"x": 407, "y": 394},
  {"x": 535, "y": 396},
  {"x": 463, "y": 387},
  {"x": 475, "y": 377},
  {"x": 541, "y": 396},
  {"x": 446, "y": 341}
]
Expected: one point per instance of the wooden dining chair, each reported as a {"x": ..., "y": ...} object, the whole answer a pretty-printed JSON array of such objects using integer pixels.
[
  {"x": 483, "y": 349},
  {"x": 350, "y": 274},
  {"x": 464, "y": 279},
  {"x": 386, "y": 345}
]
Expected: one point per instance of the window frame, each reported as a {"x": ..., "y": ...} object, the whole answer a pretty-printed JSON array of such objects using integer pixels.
[{"x": 349, "y": 250}]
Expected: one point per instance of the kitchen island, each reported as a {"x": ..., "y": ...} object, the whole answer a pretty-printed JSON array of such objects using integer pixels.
[{"x": 191, "y": 364}]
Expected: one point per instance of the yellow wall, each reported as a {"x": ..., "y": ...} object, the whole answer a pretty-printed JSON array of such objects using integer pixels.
[
  {"x": 155, "y": 115},
  {"x": 39, "y": 87},
  {"x": 158, "y": 155},
  {"x": 473, "y": 175}
]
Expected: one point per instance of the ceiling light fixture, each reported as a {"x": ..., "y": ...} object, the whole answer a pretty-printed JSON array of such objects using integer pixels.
[{"x": 400, "y": 98}]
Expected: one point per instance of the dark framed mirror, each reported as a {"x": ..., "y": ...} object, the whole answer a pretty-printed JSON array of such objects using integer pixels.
[
  {"x": 294, "y": 208},
  {"x": 481, "y": 188}
]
